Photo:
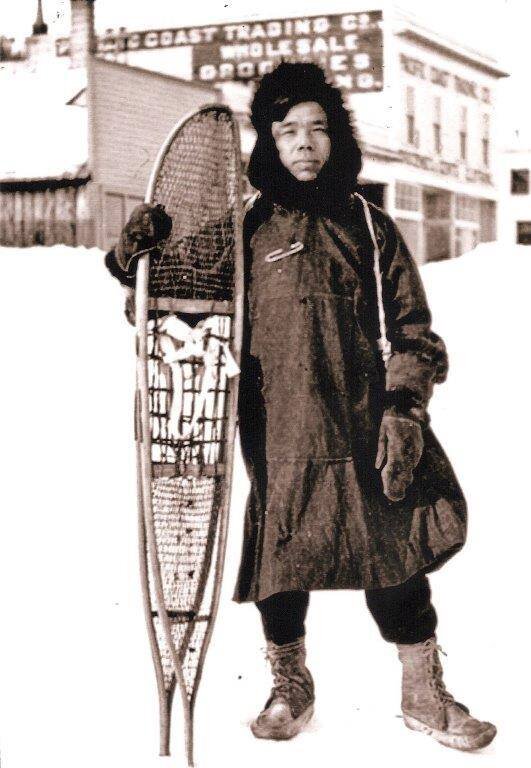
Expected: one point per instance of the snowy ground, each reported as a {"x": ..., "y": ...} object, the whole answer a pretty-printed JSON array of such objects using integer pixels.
[{"x": 76, "y": 681}]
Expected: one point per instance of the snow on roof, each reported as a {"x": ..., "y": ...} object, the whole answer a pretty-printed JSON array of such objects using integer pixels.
[{"x": 43, "y": 137}]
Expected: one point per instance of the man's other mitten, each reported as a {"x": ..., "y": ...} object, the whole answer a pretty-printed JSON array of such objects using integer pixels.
[
  {"x": 147, "y": 226},
  {"x": 400, "y": 446},
  {"x": 129, "y": 309}
]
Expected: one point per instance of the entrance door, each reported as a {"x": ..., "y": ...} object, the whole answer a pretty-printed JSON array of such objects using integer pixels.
[
  {"x": 466, "y": 239},
  {"x": 437, "y": 224}
]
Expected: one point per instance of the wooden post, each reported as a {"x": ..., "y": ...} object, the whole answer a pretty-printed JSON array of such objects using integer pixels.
[
  {"x": 27, "y": 218},
  {"x": 74, "y": 216},
  {"x": 18, "y": 219},
  {"x": 3, "y": 217},
  {"x": 48, "y": 217},
  {"x": 10, "y": 218}
]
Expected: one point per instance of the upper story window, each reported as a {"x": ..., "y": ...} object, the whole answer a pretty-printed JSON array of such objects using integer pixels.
[
  {"x": 463, "y": 133},
  {"x": 523, "y": 232},
  {"x": 412, "y": 133},
  {"x": 437, "y": 135},
  {"x": 485, "y": 139},
  {"x": 520, "y": 181}
]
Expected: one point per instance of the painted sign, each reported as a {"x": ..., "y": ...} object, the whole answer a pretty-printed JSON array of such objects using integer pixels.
[
  {"x": 418, "y": 68},
  {"x": 349, "y": 47},
  {"x": 445, "y": 167}
]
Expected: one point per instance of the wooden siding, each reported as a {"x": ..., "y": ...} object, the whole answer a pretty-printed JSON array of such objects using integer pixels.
[
  {"x": 131, "y": 111},
  {"x": 45, "y": 217}
]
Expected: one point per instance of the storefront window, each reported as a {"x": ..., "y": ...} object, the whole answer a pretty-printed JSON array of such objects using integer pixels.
[
  {"x": 467, "y": 208},
  {"x": 437, "y": 205},
  {"x": 407, "y": 197}
]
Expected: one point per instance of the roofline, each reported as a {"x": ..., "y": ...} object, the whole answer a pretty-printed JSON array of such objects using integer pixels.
[
  {"x": 408, "y": 27},
  {"x": 40, "y": 184},
  {"x": 76, "y": 95},
  {"x": 190, "y": 83},
  {"x": 374, "y": 152}
]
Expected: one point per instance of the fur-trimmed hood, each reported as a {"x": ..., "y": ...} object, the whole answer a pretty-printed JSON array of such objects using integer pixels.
[{"x": 290, "y": 84}]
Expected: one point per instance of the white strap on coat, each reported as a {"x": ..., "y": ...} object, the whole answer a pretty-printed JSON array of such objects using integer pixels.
[
  {"x": 192, "y": 343},
  {"x": 384, "y": 345}
]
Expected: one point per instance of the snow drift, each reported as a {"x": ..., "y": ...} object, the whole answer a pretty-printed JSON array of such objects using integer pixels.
[{"x": 77, "y": 684}]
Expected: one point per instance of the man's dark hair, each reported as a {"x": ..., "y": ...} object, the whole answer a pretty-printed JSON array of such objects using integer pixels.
[{"x": 290, "y": 84}]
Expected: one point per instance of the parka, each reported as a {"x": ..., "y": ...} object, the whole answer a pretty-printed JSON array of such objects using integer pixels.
[
  {"x": 313, "y": 384},
  {"x": 313, "y": 390}
]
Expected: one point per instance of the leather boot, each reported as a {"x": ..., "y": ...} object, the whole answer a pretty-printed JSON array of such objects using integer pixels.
[
  {"x": 290, "y": 705},
  {"x": 428, "y": 707}
]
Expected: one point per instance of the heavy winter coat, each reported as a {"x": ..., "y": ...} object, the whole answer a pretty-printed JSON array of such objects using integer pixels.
[{"x": 312, "y": 393}]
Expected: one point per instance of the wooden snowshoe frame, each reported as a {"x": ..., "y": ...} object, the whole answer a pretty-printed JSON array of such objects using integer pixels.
[{"x": 185, "y": 470}]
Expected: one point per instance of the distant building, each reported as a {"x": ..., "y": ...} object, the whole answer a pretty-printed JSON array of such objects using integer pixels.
[
  {"x": 515, "y": 199},
  {"x": 425, "y": 107},
  {"x": 432, "y": 141},
  {"x": 81, "y": 148}
]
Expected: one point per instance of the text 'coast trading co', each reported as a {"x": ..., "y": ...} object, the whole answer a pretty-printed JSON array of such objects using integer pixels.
[{"x": 348, "y": 46}]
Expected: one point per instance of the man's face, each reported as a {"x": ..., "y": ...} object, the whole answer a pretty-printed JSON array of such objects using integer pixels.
[{"x": 302, "y": 140}]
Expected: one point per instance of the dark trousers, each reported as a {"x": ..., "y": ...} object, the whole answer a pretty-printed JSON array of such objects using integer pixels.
[{"x": 404, "y": 613}]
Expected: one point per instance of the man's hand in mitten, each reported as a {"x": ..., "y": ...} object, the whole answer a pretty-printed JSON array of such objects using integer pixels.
[
  {"x": 400, "y": 446},
  {"x": 129, "y": 309},
  {"x": 147, "y": 226}
]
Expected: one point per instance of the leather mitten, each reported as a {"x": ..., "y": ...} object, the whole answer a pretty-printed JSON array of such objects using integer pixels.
[
  {"x": 147, "y": 226},
  {"x": 400, "y": 446}
]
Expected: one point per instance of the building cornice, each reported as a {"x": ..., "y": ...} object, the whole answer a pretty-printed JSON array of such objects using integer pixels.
[
  {"x": 409, "y": 29},
  {"x": 374, "y": 152}
]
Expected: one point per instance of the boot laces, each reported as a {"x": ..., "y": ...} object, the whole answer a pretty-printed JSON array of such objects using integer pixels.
[
  {"x": 282, "y": 684},
  {"x": 286, "y": 671},
  {"x": 435, "y": 670}
]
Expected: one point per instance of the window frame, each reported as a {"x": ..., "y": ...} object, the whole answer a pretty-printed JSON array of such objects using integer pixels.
[
  {"x": 525, "y": 184},
  {"x": 411, "y": 123},
  {"x": 437, "y": 125},
  {"x": 463, "y": 134}
]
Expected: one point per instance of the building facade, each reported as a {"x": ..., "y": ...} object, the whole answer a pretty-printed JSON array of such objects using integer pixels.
[
  {"x": 426, "y": 119},
  {"x": 424, "y": 107},
  {"x": 431, "y": 141},
  {"x": 515, "y": 202},
  {"x": 83, "y": 135}
]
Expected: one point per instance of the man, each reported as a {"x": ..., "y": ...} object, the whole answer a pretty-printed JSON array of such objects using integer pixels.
[{"x": 349, "y": 487}]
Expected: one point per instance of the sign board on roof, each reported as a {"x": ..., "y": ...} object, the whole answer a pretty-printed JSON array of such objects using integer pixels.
[{"x": 349, "y": 46}]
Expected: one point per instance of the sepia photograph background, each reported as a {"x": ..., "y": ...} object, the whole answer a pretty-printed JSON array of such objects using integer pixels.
[{"x": 443, "y": 119}]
